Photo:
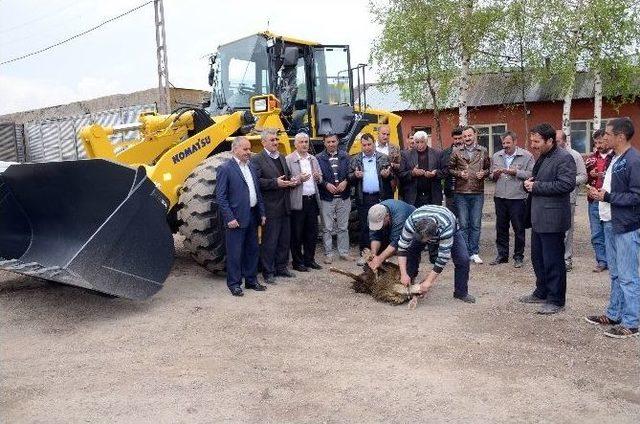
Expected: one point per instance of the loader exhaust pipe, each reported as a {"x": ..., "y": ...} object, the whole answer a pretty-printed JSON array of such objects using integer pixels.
[{"x": 90, "y": 223}]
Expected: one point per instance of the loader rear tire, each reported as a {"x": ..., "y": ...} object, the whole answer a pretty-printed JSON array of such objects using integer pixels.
[{"x": 200, "y": 221}]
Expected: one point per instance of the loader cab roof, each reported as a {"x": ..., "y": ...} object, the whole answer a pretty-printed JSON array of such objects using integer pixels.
[{"x": 271, "y": 36}]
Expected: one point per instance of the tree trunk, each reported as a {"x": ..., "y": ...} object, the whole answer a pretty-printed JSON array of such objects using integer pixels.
[
  {"x": 463, "y": 95},
  {"x": 464, "y": 91},
  {"x": 566, "y": 111},
  {"x": 597, "y": 101}
]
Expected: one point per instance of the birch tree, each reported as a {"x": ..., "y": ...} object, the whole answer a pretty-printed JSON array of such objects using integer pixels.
[{"x": 428, "y": 48}]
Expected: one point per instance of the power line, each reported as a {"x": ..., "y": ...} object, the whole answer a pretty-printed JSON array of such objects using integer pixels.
[{"x": 15, "y": 59}]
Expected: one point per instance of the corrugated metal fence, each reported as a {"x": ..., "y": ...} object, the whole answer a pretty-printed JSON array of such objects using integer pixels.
[{"x": 57, "y": 139}]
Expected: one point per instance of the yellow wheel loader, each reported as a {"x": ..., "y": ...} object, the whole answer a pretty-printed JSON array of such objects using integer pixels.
[{"x": 106, "y": 223}]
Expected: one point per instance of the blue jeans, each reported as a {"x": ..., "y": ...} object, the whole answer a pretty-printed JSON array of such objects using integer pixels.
[
  {"x": 623, "y": 256},
  {"x": 469, "y": 208},
  {"x": 459, "y": 256},
  {"x": 597, "y": 234}
]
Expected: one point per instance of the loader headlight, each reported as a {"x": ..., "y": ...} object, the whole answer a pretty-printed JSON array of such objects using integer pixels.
[{"x": 260, "y": 105}]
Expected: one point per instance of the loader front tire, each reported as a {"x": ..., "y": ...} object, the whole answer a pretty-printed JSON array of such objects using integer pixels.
[{"x": 200, "y": 222}]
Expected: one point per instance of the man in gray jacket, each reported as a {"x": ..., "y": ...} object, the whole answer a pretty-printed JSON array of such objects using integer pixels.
[
  {"x": 306, "y": 174},
  {"x": 581, "y": 178},
  {"x": 509, "y": 168},
  {"x": 553, "y": 180}
]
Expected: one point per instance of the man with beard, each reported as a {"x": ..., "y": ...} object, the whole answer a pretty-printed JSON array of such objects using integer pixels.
[{"x": 553, "y": 179}]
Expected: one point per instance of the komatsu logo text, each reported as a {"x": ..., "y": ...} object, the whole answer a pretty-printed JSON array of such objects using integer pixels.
[{"x": 191, "y": 149}]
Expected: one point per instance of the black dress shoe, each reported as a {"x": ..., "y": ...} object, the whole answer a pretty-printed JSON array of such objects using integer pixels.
[
  {"x": 313, "y": 265},
  {"x": 236, "y": 291},
  {"x": 269, "y": 279},
  {"x": 285, "y": 273},
  {"x": 499, "y": 260},
  {"x": 256, "y": 286},
  {"x": 300, "y": 268}
]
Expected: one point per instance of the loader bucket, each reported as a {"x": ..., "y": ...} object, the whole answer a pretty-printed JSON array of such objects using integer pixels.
[{"x": 89, "y": 223}]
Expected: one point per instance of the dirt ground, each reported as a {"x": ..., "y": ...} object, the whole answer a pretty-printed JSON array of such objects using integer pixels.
[{"x": 311, "y": 350}]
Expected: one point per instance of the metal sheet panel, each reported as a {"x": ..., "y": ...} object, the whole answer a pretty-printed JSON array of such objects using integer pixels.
[
  {"x": 57, "y": 139},
  {"x": 8, "y": 145}
]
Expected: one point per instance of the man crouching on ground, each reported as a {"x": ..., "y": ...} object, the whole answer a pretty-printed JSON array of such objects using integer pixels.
[{"x": 434, "y": 225}]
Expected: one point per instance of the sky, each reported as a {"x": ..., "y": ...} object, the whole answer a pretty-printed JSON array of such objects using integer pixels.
[{"x": 120, "y": 57}]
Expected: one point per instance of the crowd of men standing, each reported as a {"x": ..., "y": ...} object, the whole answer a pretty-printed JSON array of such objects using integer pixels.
[{"x": 441, "y": 196}]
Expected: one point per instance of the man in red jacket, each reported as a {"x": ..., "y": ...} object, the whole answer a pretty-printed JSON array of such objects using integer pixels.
[{"x": 597, "y": 164}]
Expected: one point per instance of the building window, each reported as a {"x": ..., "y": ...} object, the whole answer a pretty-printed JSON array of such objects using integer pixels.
[
  {"x": 581, "y": 132},
  {"x": 489, "y": 136}
]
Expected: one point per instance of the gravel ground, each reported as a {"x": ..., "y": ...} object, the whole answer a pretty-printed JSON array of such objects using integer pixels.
[{"x": 311, "y": 350}]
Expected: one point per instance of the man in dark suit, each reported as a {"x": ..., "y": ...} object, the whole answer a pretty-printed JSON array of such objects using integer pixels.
[
  {"x": 550, "y": 187},
  {"x": 421, "y": 173},
  {"x": 240, "y": 203},
  {"x": 274, "y": 180}
]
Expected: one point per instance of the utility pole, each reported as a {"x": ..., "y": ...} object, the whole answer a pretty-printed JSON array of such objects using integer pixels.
[{"x": 164, "y": 102}]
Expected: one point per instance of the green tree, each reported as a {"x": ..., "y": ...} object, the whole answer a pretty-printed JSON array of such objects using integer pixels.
[{"x": 428, "y": 47}]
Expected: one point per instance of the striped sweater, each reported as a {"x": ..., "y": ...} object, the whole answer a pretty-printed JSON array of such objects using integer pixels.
[{"x": 447, "y": 226}]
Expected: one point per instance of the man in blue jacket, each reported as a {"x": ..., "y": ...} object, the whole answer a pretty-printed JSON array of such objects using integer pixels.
[
  {"x": 240, "y": 202},
  {"x": 619, "y": 208},
  {"x": 335, "y": 201}
]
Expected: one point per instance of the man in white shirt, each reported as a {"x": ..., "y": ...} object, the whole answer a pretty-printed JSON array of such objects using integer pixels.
[
  {"x": 305, "y": 172},
  {"x": 240, "y": 204}
]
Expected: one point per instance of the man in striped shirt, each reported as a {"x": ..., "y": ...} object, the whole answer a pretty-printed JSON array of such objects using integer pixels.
[{"x": 432, "y": 225}]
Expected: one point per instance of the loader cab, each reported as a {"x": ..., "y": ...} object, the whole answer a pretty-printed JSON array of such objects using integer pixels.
[{"x": 313, "y": 82}]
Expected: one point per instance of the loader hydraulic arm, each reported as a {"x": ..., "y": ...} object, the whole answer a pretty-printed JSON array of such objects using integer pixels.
[{"x": 175, "y": 165}]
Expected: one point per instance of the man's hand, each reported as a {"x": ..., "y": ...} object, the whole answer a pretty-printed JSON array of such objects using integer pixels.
[
  {"x": 341, "y": 187},
  {"x": 405, "y": 279},
  {"x": 417, "y": 172},
  {"x": 480, "y": 175},
  {"x": 385, "y": 172},
  {"x": 464, "y": 175},
  {"x": 375, "y": 262},
  {"x": 304, "y": 177},
  {"x": 282, "y": 182},
  {"x": 358, "y": 173},
  {"x": 318, "y": 176},
  {"x": 594, "y": 173},
  {"x": 430, "y": 174},
  {"x": 395, "y": 166},
  {"x": 263, "y": 220},
  {"x": 528, "y": 184},
  {"x": 233, "y": 224},
  {"x": 428, "y": 282},
  {"x": 596, "y": 194},
  {"x": 331, "y": 188}
]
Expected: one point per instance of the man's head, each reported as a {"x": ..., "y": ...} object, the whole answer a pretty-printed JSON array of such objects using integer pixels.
[
  {"x": 598, "y": 141},
  {"x": 542, "y": 138},
  {"x": 469, "y": 136},
  {"x": 383, "y": 134},
  {"x": 412, "y": 144},
  {"x": 241, "y": 148},
  {"x": 456, "y": 134},
  {"x": 561, "y": 139},
  {"x": 367, "y": 144},
  {"x": 378, "y": 217},
  {"x": 426, "y": 230},
  {"x": 301, "y": 143},
  {"x": 618, "y": 132},
  {"x": 330, "y": 143},
  {"x": 509, "y": 141},
  {"x": 421, "y": 140},
  {"x": 269, "y": 137}
]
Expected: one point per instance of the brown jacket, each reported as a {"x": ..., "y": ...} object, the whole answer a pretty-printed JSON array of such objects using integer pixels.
[{"x": 459, "y": 162}]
